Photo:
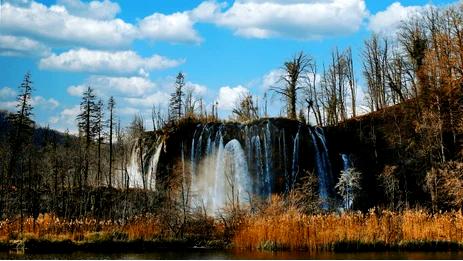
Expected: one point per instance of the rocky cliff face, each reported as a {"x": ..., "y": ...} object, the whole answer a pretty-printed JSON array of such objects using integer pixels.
[{"x": 226, "y": 163}]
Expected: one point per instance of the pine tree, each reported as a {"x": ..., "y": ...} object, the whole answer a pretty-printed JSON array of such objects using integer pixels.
[
  {"x": 21, "y": 121},
  {"x": 86, "y": 120},
  {"x": 111, "y": 105},
  {"x": 176, "y": 100},
  {"x": 98, "y": 129},
  {"x": 21, "y": 135}
]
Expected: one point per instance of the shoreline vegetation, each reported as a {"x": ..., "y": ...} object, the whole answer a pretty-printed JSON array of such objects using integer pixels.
[
  {"x": 398, "y": 169},
  {"x": 275, "y": 228}
]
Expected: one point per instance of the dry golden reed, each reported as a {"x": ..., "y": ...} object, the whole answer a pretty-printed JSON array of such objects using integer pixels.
[
  {"x": 292, "y": 230},
  {"x": 51, "y": 227}
]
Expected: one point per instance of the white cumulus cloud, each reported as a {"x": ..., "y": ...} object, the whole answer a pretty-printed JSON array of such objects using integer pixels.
[
  {"x": 122, "y": 62},
  {"x": 388, "y": 21},
  {"x": 36, "y": 102},
  {"x": 7, "y": 92},
  {"x": 66, "y": 119},
  {"x": 229, "y": 96},
  {"x": 116, "y": 86},
  {"x": 177, "y": 27},
  {"x": 49, "y": 104},
  {"x": 159, "y": 98},
  {"x": 21, "y": 46},
  {"x": 272, "y": 79},
  {"x": 304, "y": 20},
  {"x": 56, "y": 26},
  {"x": 101, "y": 10}
]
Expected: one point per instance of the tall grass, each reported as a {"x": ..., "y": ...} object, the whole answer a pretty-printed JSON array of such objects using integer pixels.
[
  {"x": 51, "y": 227},
  {"x": 292, "y": 230},
  {"x": 277, "y": 226}
]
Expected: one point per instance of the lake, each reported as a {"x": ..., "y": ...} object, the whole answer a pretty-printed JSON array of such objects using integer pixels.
[{"x": 233, "y": 254}]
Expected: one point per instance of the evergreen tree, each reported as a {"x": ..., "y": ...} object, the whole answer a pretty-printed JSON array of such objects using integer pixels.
[
  {"x": 111, "y": 105},
  {"x": 21, "y": 136},
  {"x": 98, "y": 129},
  {"x": 86, "y": 119},
  {"x": 21, "y": 122},
  {"x": 176, "y": 100}
]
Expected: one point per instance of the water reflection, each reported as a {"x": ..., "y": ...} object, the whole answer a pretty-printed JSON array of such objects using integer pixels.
[{"x": 233, "y": 254}]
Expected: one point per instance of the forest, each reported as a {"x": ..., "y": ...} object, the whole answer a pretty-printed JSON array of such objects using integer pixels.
[{"x": 388, "y": 179}]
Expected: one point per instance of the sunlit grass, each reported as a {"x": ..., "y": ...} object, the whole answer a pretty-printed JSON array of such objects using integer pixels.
[{"x": 291, "y": 230}]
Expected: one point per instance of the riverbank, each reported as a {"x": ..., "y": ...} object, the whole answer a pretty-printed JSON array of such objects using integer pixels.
[
  {"x": 46, "y": 246},
  {"x": 279, "y": 226}
]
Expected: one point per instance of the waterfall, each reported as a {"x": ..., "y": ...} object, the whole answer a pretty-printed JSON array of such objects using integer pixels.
[
  {"x": 345, "y": 161},
  {"x": 229, "y": 162},
  {"x": 219, "y": 184},
  {"x": 268, "y": 179},
  {"x": 154, "y": 167},
  {"x": 285, "y": 162},
  {"x": 322, "y": 164},
  {"x": 148, "y": 169},
  {"x": 237, "y": 182},
  {"x": 133, "y": 168},
  {"x": 257, "y": 160},
  {"x": 346, "y": 165},
  {"x": 193, "y": 159},
  {"x": 295, "y": 165}
]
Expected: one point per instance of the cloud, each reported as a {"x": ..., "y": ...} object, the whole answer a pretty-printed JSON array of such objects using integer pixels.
[
  {"x": 305, "y": 20},
  {"x": 7, "y": 92},
  {"x": 74, "y": 23},
  {"x": 197, "y": 89},
  {"x": 158, "y": 98},
  {"x": 8, "y": 105},
  {"x": 133, "y": 95},
  {"x": 272, "y": 78},
  {"x": 100, "y": 10},
  {"x": 387, "y": 22},
  {"x": 122, "y": 62},
  {"x": 66, "y": 119},
  {"x": 49, "y": 104},
  {"x": 177, "y": 27},
  {"x": 76, "y": 90},
  {"x": 207, "y": 11},
  {"x": 229, "y": 96},
  {"x": 116, "y": 86},
  {"x": 21, "y": 46},
  {"x": 56, "y": 26},
  {"x": 130, "y": 111},
  {"x": 37, "y": 102}
]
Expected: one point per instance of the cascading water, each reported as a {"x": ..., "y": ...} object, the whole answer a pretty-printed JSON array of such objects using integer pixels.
[
  {"x": 295, "y": 165},
  {"x": 142, "y": 166},
  {"x": 283, "y": 152},
  {"x": 268, "y": 161},
  {"x": 230, "y": 162},
  {"x": 256, "y": 158},
  {"x": 346, "y": 164},
  {"x": 235, "y": 176},
  {"x": 322, "y": 164}
]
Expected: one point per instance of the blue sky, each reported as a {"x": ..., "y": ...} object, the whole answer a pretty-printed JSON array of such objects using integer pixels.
[{"x": 134, "y": 49}]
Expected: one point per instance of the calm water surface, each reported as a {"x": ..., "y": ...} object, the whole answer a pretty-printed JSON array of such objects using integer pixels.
[{"x": 223, "y": 255}]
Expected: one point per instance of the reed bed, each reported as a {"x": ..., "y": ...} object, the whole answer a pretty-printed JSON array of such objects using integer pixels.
[
  {"x": 50, "y": 227},
  {"x": 291, "y": 230},
  {"x": 277, "y": 227}
]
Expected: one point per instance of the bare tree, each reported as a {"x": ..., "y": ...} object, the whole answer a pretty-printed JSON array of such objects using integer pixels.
[
  {"x": 245, "y": 109},
  {"x": 295, "y": 71},
  {"x": 348, "y": 186}
]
